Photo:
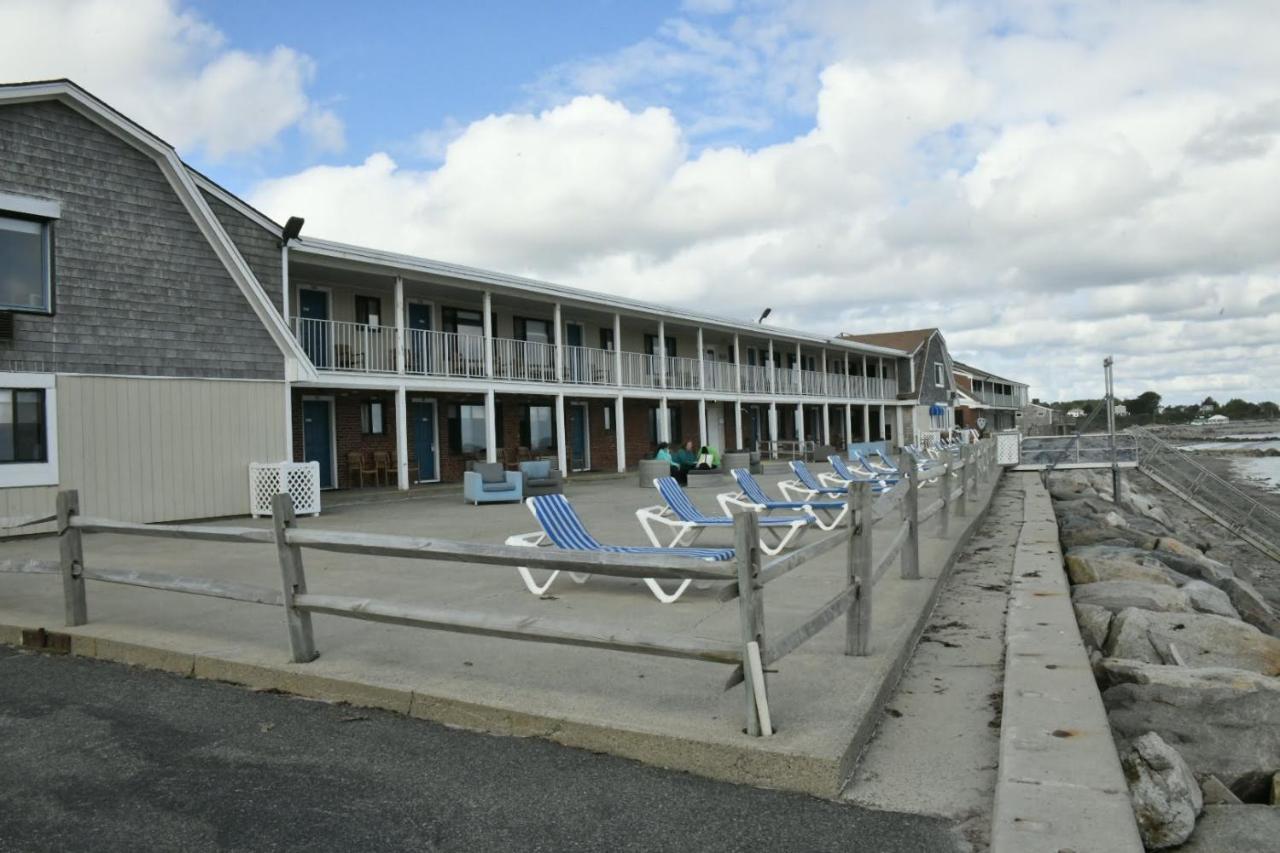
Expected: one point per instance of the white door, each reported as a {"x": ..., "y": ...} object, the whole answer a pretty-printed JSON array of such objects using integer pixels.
[{"x": 715, "y": 425}]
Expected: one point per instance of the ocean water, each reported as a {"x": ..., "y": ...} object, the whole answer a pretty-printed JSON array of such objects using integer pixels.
[
  {"x": 1237, "y": 442},
  {"x": 1262, "y": 470}
]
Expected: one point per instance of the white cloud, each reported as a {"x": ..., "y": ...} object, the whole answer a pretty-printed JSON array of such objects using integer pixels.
[
  {"x": 1049, "y": 187},
  {"x": 167, "y": 69}
]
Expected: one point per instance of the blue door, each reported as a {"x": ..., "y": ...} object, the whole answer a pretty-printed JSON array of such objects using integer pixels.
[
  {"x": 574, "y": 367},
  {"x": 422, "y": 432},
  {"x": 579, "y": 456},
  {"x": 317, "y": 433},
  {"x": 313, "y": 332},
  {"x": 419, "y": 353}
]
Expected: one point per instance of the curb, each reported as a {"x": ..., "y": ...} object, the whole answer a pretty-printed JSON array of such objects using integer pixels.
[{"x": 1059, "y": 785}]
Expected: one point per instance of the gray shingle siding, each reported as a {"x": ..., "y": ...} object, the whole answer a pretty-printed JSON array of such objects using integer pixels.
[
  {"x": 259, "y": 248},
  {"x": 933, "y": 353},
  {"x": 138, "y": 289}
]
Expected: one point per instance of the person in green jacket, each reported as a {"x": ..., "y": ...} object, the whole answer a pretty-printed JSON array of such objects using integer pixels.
[{"x": 685, "y": 457}]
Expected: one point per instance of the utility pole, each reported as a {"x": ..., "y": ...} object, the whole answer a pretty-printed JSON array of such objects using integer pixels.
[{"x": 1111, "y": 430}]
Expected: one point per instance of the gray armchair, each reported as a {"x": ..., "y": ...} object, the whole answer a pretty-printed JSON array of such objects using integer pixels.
[
  {"x": 540, "y": 478},
  {"x": 488, "y": 482}
]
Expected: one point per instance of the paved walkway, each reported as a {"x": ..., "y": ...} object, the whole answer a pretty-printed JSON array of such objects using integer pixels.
[
  {"x": 936, "y": 750},
  {"x": 99, "y": 756}
]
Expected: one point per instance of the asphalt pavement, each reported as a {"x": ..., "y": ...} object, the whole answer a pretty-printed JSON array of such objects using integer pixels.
[{"x": 99, "y": 756}]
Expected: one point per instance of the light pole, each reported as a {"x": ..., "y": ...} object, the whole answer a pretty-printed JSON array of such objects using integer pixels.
[{"x": 1111, "y": 430}]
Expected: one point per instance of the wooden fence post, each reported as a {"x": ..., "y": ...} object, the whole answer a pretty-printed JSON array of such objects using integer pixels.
[
  {"x": 962, "y": 508},
  {"x": 71, "y": 553},
  {"x": 945, "y": 511},
  {"x": 858, "y": 562},
  {"x": 746, "y": 543},
  {"x": 293, "y": 580},
  {"x": 911, "y": 503}
]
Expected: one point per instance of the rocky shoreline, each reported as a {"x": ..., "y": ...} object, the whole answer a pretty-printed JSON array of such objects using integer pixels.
[{"x": 1186, "y": 652}]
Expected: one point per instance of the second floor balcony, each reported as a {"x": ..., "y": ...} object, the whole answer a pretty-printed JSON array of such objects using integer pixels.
[{"x": 348, "y": 347}]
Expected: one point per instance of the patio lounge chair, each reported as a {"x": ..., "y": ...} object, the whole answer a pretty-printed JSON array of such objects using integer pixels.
[
  {"x": 562, "y": 528},
  {"x": 845, "y": 472},
  {"x": 753, "y": 496},
  {"x": 806, "y": 486},
  {"x": 689, "y": 522}
]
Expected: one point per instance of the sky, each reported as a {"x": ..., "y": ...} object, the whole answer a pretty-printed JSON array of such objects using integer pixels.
[{"x": 1048, "y": 183}]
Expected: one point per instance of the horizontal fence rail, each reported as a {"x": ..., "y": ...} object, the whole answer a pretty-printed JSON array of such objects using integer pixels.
[{"x": 745, "y": 578}]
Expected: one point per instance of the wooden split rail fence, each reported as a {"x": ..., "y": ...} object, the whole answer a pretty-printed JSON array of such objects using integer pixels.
[{"x": 744, "y": 579}]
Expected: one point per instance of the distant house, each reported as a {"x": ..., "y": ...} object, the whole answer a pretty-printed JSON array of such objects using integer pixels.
[
  {"x": 986, "y": 401},
  {"x": 1122, "y": 411},
  {"x": 1218, "y": 419},
  {"x": 1207, "y": 409},
  {"x": 1076, "y": 413}
]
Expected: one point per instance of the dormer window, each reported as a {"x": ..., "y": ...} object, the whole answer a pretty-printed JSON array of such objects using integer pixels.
[{"x": 939, "y": 375}]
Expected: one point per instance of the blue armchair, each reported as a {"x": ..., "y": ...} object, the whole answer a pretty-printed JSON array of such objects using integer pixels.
[{"x": 488, "y": 482}]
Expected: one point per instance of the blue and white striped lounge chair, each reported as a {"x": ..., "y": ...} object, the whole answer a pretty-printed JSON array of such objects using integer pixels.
[
  {"x": 843, "y": 474},
  {"x": 826, "y": 514},
  {"x": 806, "y": 486},
  {"x": 875, "y": 462},
  {"x": 689, "y": 522},
  {"x": 563, "y": 529}
]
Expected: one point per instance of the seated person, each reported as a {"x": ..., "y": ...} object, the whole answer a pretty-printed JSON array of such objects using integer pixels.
[
  {"x": 664, "y": 453},
  {"x": 707, "y": 459}
]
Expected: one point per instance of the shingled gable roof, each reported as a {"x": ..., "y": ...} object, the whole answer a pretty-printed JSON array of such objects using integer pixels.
[
  {"x": 908, "y": 341},
  {"x": 184, "y": 186}
]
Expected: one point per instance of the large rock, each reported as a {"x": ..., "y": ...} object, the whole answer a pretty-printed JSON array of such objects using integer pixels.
[
  {"x": 1209, "y": 599},
  {"x": 1123, "y": 595},
  {"x": 1094, "y": 622},
  {"x": 1202, "y": 640},
  {"x": 1199, "y": 567},
  {"x": 1070, "y": 485},
  {"x": 1224, "y": 722},
  {"x": 1074, "y": 537},
  {"x": 1251, "y": 606},
  {"x": 1166, "y": 797},
  {"x": 1094, "y": 563},
  {"x": 1235, "y": 829}
]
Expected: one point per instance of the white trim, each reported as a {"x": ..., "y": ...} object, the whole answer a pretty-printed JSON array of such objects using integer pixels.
[
  {"x": 29, "y": 206},
  {"x": 22, "y": 474}
]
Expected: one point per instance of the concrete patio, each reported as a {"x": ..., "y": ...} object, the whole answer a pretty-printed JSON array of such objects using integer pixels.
[{"x": 667, "y": 712}]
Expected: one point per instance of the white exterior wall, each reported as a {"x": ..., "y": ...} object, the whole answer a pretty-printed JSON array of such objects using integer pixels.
[{"x": 143, "y": 449}]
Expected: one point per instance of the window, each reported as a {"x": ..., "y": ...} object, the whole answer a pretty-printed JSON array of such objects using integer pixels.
[
  {"x": 369, "y": 310},
  {"x": 537, "y": 428},
  {"x": 28, "y": 430},
  {"x": 939, "y": 376},
  {"x": 372, "y": 421},
  {"x": 673, "y": 421},
  {"x": 606, "y": 339},
  {"x": 537, "y": 331},
  {"x": 26, "y": 265},
  {"x": 467, "y": 428},
  {"x": 651, "y": 345},
  {"x": 608, "y": 418},
  {"x": 22, "y": 425},
  {"x": 463, "y": 321}
]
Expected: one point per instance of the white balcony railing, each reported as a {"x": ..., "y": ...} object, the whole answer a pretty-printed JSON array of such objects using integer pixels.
[
  {"x": 683, "y": 373},
  {"x": 640, "y": 370},
  {"x": 588, "y": 366},
  {"x": 431, "y": 353},
  {"x": 720, "y": 376},
  {"x": 755, "y": 379},
  {"x": 347, "y": 347},
  {"x": 524, "y": 361}
]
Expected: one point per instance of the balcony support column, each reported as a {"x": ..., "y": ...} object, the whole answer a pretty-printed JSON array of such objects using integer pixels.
[
  {"x": 826, "y": 378},
  {"x": 702, "y": 370},
  {"x": 617, "y": 348},
  {"x": 399, "y": 308},
  {"x": 490, "y": 427},
  {"x": 866, "y": 421},
  {"x": 866, "y": 389},
  {"x": 664, "y": 420},
  {"x": 773, "y": 381},
  {"x": 897, "y": 435},
  {"x": 880, "y": 383},
  {"x": 737, "y": 370},
  {"x": 773, "y": 427},
  {"x": 402, "y": 439},
  {"x": 799, "y": 371},
  {"x": 559, "y": 339},
  {"x": 882, "y": 423},
  {"x": 799, "y": 423},
  {"x": 702, "y": 422},
  {"x": 562, "y": 452},
  {"x": 488, "y": 336},
  {"x": 826, "y": 423},
  {"x": 848, "y": 423},
  {"x": 662, "y": 359},
  {"x": 737, "y": 425},
  {"x": 619, "y": 431}
]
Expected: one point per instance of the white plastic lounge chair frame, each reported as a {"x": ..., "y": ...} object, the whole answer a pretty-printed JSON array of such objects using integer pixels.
[
  {"x": 751, "y": 495},
  {"x": 689, "y": 523}
]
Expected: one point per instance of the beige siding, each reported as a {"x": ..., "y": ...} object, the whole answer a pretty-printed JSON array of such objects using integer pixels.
[{"x": 159, "y": 449}]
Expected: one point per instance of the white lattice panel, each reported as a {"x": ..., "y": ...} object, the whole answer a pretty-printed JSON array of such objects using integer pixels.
[
  {"x": 1008, "y": 447},
  {"x": 300, "y": 480}
]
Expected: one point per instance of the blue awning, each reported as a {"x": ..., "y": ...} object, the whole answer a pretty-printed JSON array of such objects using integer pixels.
[{"x": 937, "y": 409}]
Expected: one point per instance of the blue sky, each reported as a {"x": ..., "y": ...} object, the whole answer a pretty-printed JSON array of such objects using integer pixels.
[{"x": 407, "y": 68}]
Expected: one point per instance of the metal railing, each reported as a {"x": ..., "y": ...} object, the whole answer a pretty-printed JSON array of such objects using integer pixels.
[
  {"x": 347, "y": 347},
  {"x": 1087, "y": 450},
  {"x": 683, "y": 373},
  {"x": 745, "y": 578},
  {"x": 720, "y": 375},
  {"x": 755, "y": 379},
  {"x": 1212, "y": 495},
  {"x": 524, "y": 361},
  {"x": 640, "y": 370},
  {"x": 588, "y": 366},
  {"x": 430, "y": 353}
]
